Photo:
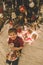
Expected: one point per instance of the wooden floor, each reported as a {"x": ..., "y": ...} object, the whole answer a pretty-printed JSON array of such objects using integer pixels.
[
  {"x": 3, "y": 45},
  {"x": 37, "y": 48},
  {"x": 33, "y": 55}
]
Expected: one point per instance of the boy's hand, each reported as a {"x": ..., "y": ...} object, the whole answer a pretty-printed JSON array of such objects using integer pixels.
[{"x": 11, "y": 45}]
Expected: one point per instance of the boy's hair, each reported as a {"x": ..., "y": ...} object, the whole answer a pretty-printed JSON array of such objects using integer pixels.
[
  {"x": 12, "y": 30},
  {"x": 30, "y": 31}
]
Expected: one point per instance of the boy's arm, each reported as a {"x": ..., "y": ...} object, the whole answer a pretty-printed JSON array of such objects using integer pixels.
[{"x": 16, "y": 48}]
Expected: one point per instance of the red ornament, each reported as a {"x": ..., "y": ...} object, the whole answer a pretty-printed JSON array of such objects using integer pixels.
[{"x": 22, "y": 8}]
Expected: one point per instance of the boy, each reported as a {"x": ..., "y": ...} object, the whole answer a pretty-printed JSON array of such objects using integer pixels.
[{"x": 16, "y": 44}]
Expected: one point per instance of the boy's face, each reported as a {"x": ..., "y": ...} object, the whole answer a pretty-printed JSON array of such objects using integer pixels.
[{"x": 13, "y": 35}]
